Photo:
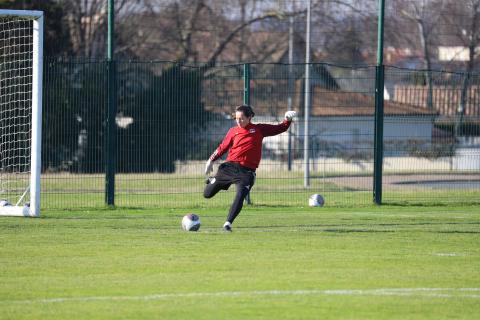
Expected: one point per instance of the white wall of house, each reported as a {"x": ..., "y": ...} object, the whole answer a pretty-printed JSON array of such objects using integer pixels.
[
  {"x": 354, "y": 131},
  {"x": 455, "y": 53},
  {"x": 354, "y": 134}
]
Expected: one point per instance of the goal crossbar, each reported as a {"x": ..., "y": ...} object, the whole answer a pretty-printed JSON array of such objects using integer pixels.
[{"x": 33, "y": 14}]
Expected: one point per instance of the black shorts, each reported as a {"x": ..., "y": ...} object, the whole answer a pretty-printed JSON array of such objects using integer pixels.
[{"x": 233, "y": 173}]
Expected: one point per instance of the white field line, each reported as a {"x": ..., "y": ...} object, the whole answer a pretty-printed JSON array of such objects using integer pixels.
[
  {"x": 404, "y": 292},
  {"x": 447, "y": 254}
]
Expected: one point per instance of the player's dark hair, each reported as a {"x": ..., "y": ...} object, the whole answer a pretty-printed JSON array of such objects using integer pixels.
[{"x": 246, "y": 109}]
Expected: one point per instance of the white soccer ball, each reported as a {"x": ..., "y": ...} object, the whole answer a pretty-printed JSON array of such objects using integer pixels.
[
  {"x": 4, "y": 203},
  {"x": 316, "y": 200},
  {"x": 191, "y": 222}
]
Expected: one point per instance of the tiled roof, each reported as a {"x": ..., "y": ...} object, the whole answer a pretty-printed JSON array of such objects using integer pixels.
[
  {"x": 341, "y": 103},
  {"x": 269, "y": 98}
]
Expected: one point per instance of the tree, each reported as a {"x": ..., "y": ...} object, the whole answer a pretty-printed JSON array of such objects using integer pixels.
[
  {"x": 343, "y": 31},
  {"x": 56, "y": 38},
  {"x": 347, "y": 46},
  {"x": 467, "y": 31},
  {"x": 168, "y": 116},
  {"x": 197, "y": 31},
  {"x": 74, "y": 115},
  {"x": 463, "y": 23},
  {"x": 87, "y": 24},
  {"x": 426, "y": 15}
]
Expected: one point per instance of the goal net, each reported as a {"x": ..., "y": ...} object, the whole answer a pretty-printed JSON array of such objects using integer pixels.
[{"x": 21, "y": 47}]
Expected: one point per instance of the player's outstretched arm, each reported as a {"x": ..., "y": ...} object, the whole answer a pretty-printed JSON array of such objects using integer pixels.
[{"x": 274, "y": 129}]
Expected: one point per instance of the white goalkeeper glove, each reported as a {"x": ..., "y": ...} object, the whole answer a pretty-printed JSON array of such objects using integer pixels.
[
  {"x": 289, "y": 115},
  {"x": 208, "y": 167}
]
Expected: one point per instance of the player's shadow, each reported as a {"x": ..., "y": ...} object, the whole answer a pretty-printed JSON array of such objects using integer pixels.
[
  {"x": 321, "y": 228},
  {"x": 424, "y": 205},
  {"x": 374, "y": 228},
  {"x": 458, "y": 231}
]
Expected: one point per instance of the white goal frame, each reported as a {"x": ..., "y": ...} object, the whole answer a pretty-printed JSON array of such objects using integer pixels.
[{"x": 33, "y": 210}]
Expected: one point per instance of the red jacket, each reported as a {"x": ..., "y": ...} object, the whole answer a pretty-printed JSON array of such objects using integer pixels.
[{"x": 245, "y": 144}]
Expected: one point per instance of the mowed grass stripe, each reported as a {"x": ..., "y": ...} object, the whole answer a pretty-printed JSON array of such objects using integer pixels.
[{"x": 425, "y": 292}]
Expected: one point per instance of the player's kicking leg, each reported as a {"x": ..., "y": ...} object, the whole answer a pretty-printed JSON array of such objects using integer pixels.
[{"x": 244, "y": 182}]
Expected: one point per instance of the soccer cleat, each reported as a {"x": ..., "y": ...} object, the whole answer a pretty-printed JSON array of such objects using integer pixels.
[
  {"x": 227, "y": 227},
  {"x": 210, "y": 180}
]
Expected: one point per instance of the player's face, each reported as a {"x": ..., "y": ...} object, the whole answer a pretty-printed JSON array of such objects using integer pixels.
[{"x": 242, "y": 121}]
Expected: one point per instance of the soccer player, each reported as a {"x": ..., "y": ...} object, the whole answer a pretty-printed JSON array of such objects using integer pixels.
[{"x": 245, "y": 144}]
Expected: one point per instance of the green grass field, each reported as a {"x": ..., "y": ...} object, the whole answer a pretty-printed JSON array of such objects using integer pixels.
[
  {"x": 179, "y": 190},
  {"x": 388, "y": 262}
]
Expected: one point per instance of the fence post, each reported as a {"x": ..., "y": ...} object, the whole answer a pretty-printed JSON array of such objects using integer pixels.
[
  {"x": 111, "y": 134},
  {"x": 246, "y": 100},
  {"x": 379, "y": 104},
  {"x": 307, "y": 102},
  {"x": 378, "y": 135},
  {"x": 246, "y": 83}
]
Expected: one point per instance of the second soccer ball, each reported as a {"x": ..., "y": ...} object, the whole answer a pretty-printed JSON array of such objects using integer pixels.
[{"x": 316, "y": 200}]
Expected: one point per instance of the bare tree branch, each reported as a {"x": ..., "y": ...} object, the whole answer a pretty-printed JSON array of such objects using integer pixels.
[{"x": 214, "y": 56}]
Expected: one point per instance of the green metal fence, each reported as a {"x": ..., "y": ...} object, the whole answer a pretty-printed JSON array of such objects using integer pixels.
[
  {"x": 432, "y": 153},
  {"x": 171, "y": 117}
]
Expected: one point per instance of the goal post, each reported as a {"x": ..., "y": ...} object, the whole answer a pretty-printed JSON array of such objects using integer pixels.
[{"x": 21, "y": 71}]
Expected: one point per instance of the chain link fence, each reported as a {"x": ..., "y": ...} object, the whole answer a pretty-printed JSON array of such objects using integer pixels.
[{"x": 171, "y": 117}]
